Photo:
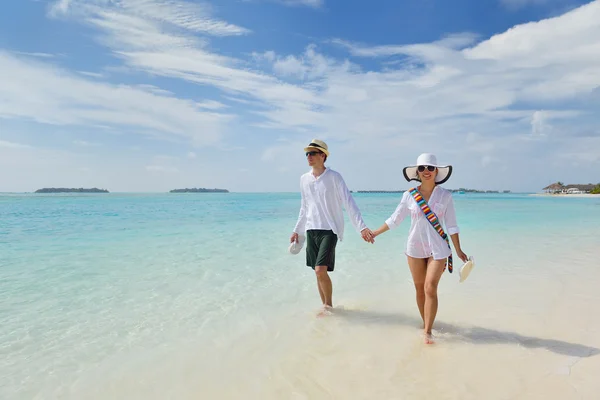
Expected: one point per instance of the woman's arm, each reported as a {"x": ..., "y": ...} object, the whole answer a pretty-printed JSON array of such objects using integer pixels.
[
  {"x": 452, "y": 228},
  {"x": 381, "y": 229},
  {"x": 459, "y": 252},
  {"x": 396, "y": 218}
]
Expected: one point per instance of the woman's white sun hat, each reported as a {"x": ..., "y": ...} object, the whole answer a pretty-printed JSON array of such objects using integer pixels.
[
  {"x": 466, "y": 269},
  {"x": 295, "y": 247},
  {"x": 444, "y": 171}
]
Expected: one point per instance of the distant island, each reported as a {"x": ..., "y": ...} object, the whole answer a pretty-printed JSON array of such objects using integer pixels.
[
  {"x": 199, "y": 190},
  {"x": 71, "y": 190},
  {"x": 572, "y": 188}
]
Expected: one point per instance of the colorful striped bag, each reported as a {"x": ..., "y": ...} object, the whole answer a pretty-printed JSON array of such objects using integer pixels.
[{"x": 433, "y": 219}]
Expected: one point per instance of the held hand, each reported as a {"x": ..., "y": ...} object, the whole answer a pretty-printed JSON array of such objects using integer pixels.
[
  {"x": 367, "y": 235},
  {"x": 462, "y": 255},
  {"x": 294, "y": 237}
]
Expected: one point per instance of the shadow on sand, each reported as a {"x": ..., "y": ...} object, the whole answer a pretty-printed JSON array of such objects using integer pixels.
[{"x": 471, "y": 334}]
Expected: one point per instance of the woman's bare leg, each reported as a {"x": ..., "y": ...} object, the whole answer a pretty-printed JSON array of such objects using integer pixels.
[
  {"x": 435, "y": 269},
  {"x": 418, "y": 269}
]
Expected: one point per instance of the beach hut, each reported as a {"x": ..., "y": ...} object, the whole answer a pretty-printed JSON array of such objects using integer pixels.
[
  {"x": 554, "y": 188},
  {"x": 578, "y": 188}
]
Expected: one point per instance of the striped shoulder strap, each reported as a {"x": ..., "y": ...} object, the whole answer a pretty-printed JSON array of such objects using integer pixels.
[{"x": 433, "y": 219}]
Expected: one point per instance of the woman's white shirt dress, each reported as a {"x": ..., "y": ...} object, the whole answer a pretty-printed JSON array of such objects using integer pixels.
[{"x": 423, "y": 241}]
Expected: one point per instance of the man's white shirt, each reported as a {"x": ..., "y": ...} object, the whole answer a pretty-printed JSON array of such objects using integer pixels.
[{"x": 322, "y": 201}]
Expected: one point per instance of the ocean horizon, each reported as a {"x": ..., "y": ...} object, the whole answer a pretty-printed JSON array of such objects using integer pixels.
[{"x": 177, "y": 295}]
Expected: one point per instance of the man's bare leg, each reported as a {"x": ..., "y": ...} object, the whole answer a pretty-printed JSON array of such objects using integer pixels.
[
  {"x": 321, "y": 293},
  {"x": 418, "y": 269},
  {"x": 325, "y": 285},
  {"x": 435, "y": 269}
]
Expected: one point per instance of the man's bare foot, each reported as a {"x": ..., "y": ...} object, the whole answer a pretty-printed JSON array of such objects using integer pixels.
[
  {"x": 325, "y": 310},
  {"x": 428, "y": 338}
]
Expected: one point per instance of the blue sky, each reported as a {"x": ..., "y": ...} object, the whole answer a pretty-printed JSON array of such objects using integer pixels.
[{"x": 149, "y": 95}]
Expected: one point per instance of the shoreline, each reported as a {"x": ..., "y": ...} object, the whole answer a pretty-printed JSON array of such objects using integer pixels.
[{"x": 582, "y": 195}]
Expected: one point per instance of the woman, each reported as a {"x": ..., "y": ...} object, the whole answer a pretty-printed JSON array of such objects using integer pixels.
[{"x": 427, "y": 250}]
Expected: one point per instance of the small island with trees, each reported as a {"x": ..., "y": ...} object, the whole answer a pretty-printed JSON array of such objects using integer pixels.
[
  {"x": 71, "y": 190},
  {"x": 572, "y": 188},
  {"x": 199, "y": 190}
]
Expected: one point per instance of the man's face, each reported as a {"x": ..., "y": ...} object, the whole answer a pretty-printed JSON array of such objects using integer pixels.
[{"x": 315, "y": 157}]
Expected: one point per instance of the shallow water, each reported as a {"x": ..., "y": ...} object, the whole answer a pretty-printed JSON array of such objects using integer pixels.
[{"x": 194, "y": 296}]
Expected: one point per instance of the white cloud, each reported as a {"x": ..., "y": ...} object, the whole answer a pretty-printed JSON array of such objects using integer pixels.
[
  {"x": 437, "y": 49},
  {"x": 60, "y": 7},
  {"x": 195, "y": 17},
  {"x": 155, "y": 89},
  {"x": 310, "y": 65},
  {"x": 571, "y": 39},
  {"x": 13, "y": 145},
  {"x": 35, "y": 54},
  {"x": 290, "y": 66},
  {"x": 538, "y": 123},
  {"x": 211, "y": 105},
  {"x": 91, "y": 74},
  {"x": 308, "y": 3},
  {"x": 540, "y": 120},
  {"x": 55, "y": 96},
  {"x": 191, "y": 155}
]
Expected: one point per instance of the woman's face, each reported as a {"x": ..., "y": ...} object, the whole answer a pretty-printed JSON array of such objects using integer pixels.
[{"x": 426, "y": 174}]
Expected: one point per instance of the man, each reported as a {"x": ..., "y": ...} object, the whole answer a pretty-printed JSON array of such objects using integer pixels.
[{"x": 324, "y": 192}]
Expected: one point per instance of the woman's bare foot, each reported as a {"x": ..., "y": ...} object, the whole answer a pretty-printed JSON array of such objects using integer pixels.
[{"x": 428, "y": 338}]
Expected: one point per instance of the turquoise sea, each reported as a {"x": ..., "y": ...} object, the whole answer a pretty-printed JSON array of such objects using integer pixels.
[{"x": 156, "y": 296}]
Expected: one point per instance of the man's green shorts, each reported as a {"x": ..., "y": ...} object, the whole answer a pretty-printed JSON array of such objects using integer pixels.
[{"x": 320, "y": 248}]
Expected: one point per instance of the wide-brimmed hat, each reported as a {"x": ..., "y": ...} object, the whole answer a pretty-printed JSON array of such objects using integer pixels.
[
  {"x": 444, "y": 171},
  {"x": 317, "y": 144}
]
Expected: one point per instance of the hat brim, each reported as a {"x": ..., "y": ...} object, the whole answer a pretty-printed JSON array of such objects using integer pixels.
[
  {"x": 444, "y": 173},
  {"x": 310, "y": 148},
  {"x": 466, "y": 269}
]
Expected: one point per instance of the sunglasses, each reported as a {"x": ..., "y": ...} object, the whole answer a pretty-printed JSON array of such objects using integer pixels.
[
  {"x": 313, "y": 153},
  {"x": 430, "y": 168}
]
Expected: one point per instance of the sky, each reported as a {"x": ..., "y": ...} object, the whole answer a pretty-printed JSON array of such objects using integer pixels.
[{"x": 152, "y": 95}]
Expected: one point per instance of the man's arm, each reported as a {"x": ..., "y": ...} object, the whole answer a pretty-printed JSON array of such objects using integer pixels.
[
  {"x": 352, "y": 210},
  {"x": 301, "y": 222}
]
